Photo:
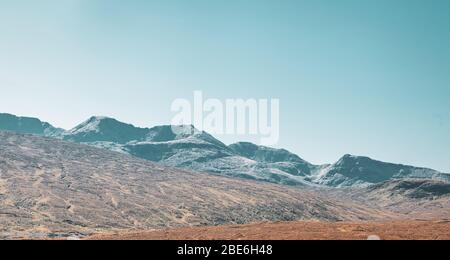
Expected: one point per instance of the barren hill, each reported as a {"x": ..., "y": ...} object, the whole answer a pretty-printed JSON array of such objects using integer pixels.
[{"x": 55, "y": 188}]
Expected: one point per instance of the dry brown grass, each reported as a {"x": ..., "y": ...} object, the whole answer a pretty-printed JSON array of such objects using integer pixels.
[{"x": 303, "y": 230}]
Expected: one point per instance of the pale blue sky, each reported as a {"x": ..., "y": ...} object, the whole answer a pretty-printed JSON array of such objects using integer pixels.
[{"x": 366, "y": 77}]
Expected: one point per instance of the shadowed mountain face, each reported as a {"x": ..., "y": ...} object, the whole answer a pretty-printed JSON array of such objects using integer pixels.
[
  {"x": 415, "y": 189},
  {"x": 190, "y": 149},
  {"x": 356, "y": 170},
  {"x": 27, "y": 125},
  {"x": 50, "y": 187}
]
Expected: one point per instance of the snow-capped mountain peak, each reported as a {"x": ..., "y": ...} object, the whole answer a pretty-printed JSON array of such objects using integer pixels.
[
  {"x": 105, "y": 129},
  {"x": 90, "y": 125}
]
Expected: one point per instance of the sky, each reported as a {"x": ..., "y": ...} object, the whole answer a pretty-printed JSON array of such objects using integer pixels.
[{"x": 363, "y": 77}]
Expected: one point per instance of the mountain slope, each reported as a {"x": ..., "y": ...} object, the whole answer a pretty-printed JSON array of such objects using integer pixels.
[
  {"x": 356, "y": 170},
  {"x": 50, "y": 187},
  {"x": 414, "y": 198},
  {"x": 410, "y": 188},
  {"x": 54, "y": 188},
  {"x": 276, "y": 158},
  {"x": 103, "y": 129},
  {"x": 27, "y": 125}
]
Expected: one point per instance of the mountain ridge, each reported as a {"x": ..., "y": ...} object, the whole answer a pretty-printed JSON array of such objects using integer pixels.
[{"x": 188, "y": 148}]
